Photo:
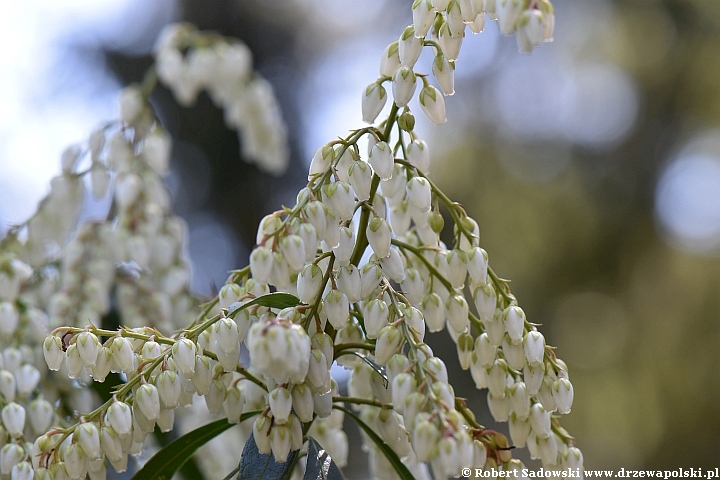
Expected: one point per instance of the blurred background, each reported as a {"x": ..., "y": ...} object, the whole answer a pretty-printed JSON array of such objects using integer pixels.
[{"x": 592, "y": 167}]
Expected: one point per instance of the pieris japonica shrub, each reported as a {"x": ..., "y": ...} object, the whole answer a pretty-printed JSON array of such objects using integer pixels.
[{"x": 354, "y": 274}]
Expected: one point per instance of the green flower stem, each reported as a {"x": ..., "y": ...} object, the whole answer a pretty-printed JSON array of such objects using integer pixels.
[
  {"x": 340, "y": 348},
  {"x": 363, "y": 401},
  {"x": 316, "y": 305},
  {"x": 467, "y": 414},
  {"x": 362, "y": 241}
]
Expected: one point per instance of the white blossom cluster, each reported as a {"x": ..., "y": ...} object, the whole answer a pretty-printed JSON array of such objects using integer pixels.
[
  {"x": 189, "y": 62},
  {"x": 441, "y": 25},
  {"x": 360, "y": 249}
]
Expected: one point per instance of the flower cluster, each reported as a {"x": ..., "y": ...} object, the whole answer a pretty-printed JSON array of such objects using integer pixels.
[
  {"x": 361, "y": 250},
  {"x": 189, "y": 61}
]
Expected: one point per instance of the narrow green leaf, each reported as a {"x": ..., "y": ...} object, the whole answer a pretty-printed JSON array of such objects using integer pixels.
[
  {"x": 255, "y": 465},
  {"x": 320, "y": 466},
  {"x": 389, "y": 453},
  {"x": 271, "y": 300},
  {"x": 379, "y": 369},
  {"x": 168, "y": 460}
]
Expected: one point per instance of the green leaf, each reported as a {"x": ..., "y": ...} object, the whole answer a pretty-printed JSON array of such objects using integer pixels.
[
  {"x": 271, "y": 300},
  {"x": 255, "y": 465},
  {"x": 168, "y": 460},
  {"x": 389, "y": 453},
  {"x": 320, "y": 466},
  {"x": 379, "y": 369}
]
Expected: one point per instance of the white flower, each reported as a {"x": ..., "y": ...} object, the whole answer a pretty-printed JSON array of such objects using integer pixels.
[
  {"x": 360, "y": 175},
  {"x": 22, "y": 471},
  {"x": 89, "y": 439},
  {"x": 539, "y": 419},
  {"x": 308, "y": 283},
  {"x": 202, "y": 378},
  {"x": 455, "y": 20},
  {"x": 216, "y": 396},
  {"x": 373, "y": 101},
  {"x": 119, "y": 417},
  {"x": 131, "y": 104},
  {"x": 514, "y": 319},
  {"x": 409, "y": 47},
  {"x": 227, "y": 334},
  {"x": 52, "y": 350},
  {"x": 337, "y": 308},
  {"x": 148, "y": 401},
  {"x": 280, "y": 401},
  {"x": 348, "y": 281},
  {"x": 343, "y": 251},
  {"x": 485, "y": 301},
  {"x": 450, "y": 45},
  {"x": 340, "y": 195},
  {"x": 168, "y": 386},
  {"x": 390, "y": 60},
  {"x": 10, "y": 455},
  {"x": 293, "y": 249},
  {"x": 302, "y": 402},
  {"x": 233, "y": 405},
  {"x": 563, "y": 395},
  {"x": 9, "y": 318},
  {"x": 321, "y": 160},
  {"x": 393, "y": 266},
  {"x": 382, "y": 160},
  {"x": 280, "y": 442},
  {"x": 88, "y": 345},
  {"x": 376, "y": 317},
  {"x": 111, "y": 443},
  {"x": 477, "y": 25},
  {"x": 418, "y": 155},
  {"x": 432, "y": 103},
  {"x": 404, "y": 85},
  {"x": 122, "y": 354},
  {"x": 465, "y": 345},
  {"x": 531, "y": 30},
  {"x": 378, "y": 235},
  {"x": 433, "y": 311},
  {"x": 519, "y": 430},
  {"x": 27, "y": 377},
  {"x": 499, "y": 407},
  {"x": 423, "y": 16},
  {"x": 508, "y": 13},
  {"x": 13, "y": 417},
  {"x": 419, "y": 193},
  {"x": 444, "y": 73},
  {"x": 457, "y": 312},
  {"x": 279, "y": 349},
  {"x": 40, "y": 415},
  {"x": 425, "y": 438},
  {"x": 440, "y": 5},
  {"x": 389, "y": 340},
  {"x": 318, "y": 375},
  {"x": 315, "y": 213}
]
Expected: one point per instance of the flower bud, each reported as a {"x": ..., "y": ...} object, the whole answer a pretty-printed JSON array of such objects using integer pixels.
[
  {"x": 148, "y": 400},
  {"x": 302, "y": 402},
  {"x": 183, "y": 352},
  {"x": 9, "y": 318},
  {"x": 337, "y": 308},
  {"x": 233, "y": 405},
  {"x": 404, "y": 85},
  {"x": 534, "y": 347},
  {"x": 280, "y": 442},
  {"x": 121, "y": 353},
  {"x": 318, "y": 375},
  {"x": 73, "y": 362},
  {"x": 360, "y": 175},
  {"x": 315, "y": 213},
  {"x": 402, "y": 386},
  {"x": 432, "y": 103},
  {"x": 390, "y": 60},
  {"x": 449, "y": 44},
  {"x": 573, "y": 458},
  {"x": 514, "y": 320},
  {"x": 539, "y": 420},
  {"x": 457, "y": 313},
  {"x": 13, "y": 417},
  {"x": 131, "y": 103},
  {"x": 373, "y": 101},
  {"x": 88, "y": 345},
  {"x": 499, "y": 407},
  {"x": 322, "y": 404},
  {"x": 280, "y": 401},
  {"x": 340, "y": 195},
  {"x": 425, "y": 438},
  {"x": 168, "y": 387},
  {"x": 409, "y": 47},
  {"x": 229, "y": 294},
  {"x": 548, "y": 449},
  {"x": 27, "y": 378},
  {"x": 508, "y": 14},
  {"x": 202, "y": 378},
  {"x": 530, "y": 30},
  {"x": 111, "y": 443},
  {"x": 497, "y": 375},
  {"x": 293, "y": 249},
  {"x": 378, "y": 235},
  {"x": 423, "y": 16},
  {"x": 227, "y": 334},
  {"x": 382, "y": 160},
  {"x": 376, "y": 316},
  {"x": 10, "y": 455},
  {"x": 22, "y": 471},
  {"x": 321, "y": 160},
  {"x": 485, "y": 301},
  {"x": 393, "y": 266},
  {"x": 308, "y": 283},
  {"x": 418, "y": 155},
  {"x": 563, "y": 394},
  {"x": 479, "y": 454},
  {"x": 389, "y": 340},
  {"x": 344, "y": 249},
  {"x": 52, "y": 350},
  {"x": 119, "y": 417},
  {"x": 261, "y": 433},
  {"x": 348, "y": 281},
  {"x": 89, "y": 439},
  {"x": 465, "y": 345},
  {"x": 444, "y": 72},
  {"x": 216, "y": 396}
]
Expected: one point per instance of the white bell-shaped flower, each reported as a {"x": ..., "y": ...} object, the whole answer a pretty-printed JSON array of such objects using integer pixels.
[
  {"x": 9, "y": 318},
  {"x": 378, "y": 235},
  {"x": 477, "y": 25},
  {"x": 308, "y": 283},
  {"x": 485, "y": 301},
  {"x": 389, "y": 340},
  {"x": 302, "y": 402},
  {"x": 344, "y": 249},
  {"x": 53, "y": 352},
  {"x": 499, "y": 407},
  {"x": 293, "y": 249},
  {"x": 432, "y": 103},
  {"x": 508, "y": 14},
  {"x": 360, "y": 174},
  {"x": 485, "y": 350},
  {"x": 13, "y": 417},
  {"x": 514, "y": 320},
  {"x": 121, "y": 353},
  {"x": 202, "y": 378},
  {"x": 433, "y": 309},
  {"x": 409, "y": 47},
  {"x": 321, "y": 160},
  {"x": 348, "y": 281},
  {"x": 404, "y": 85},
  {"x": 457, "y": 312},
  {"x": 233, "y": 405},
  {"x": 148, "y": 401},
  {"x": 337, "y": 308},
  {"x": 539, "y": 419},
  {"x": 455, "y": 20},
  {"x": 119, "y": 416},
  {"x": 519, "y": 430},
  {"x": 390, "y": 60},
  {"x": 563, "y": 394},
  {"x": 418, "y": 155},
  {"x": 280, "y": 401},
  {"x": 449, "y": 44},
  {"x": 88, "y": 437},
  {"x": 382, "y": 160},
  {"x": 168, "y": 386},
  {"x": 423, "y": 17},
  {"x": 393, "y": 266},
  {"x": 419, "y": 193},
  {"x": 373, "y": 100},
  {"x": 444, "y": 73},
  {"x": 530, "y": 30},
  {"x": 342, "y": 198},
  {"x": 376, "y": 316}
]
